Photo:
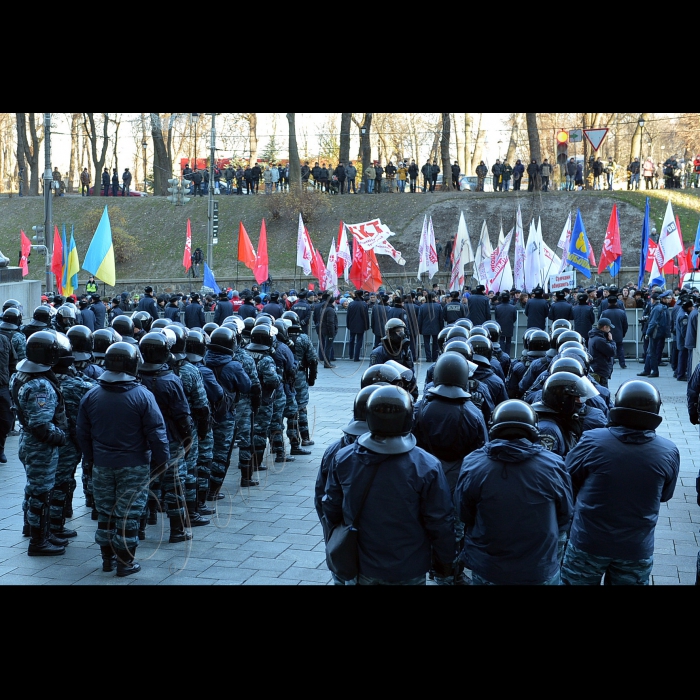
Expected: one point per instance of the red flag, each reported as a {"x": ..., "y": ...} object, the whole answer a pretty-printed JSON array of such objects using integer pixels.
[
  {"x": 25, "y": 246},
  {"x": 318, "y": 269},
  {"x": 364, "y": 271},
  {"x": 246, "y": 254},
  {"x": 374, "y": 279},
  {"x": 261, "y": 270},
  {"x": 650, "y": 255},
  {"x": 187, "y": 257},
  {"x": 683, "y": 262},
  {"x": 612, "y": 247},
  {"x": 340, "y": 264},
  {"x": 357, "y": 269},
  {"x": 57, "y": 260}
]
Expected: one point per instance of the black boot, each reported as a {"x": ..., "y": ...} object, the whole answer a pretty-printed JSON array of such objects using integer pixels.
[
  {"x": 296, "y": 449},
  {"x": 196, "y": 520},
  {"x": 143, "y": 521},
  {"x": 39, "y": 544},
  {"x": 68, "y": 505},
  {"x": 59, "y": 529},
  {"x": 109, "y": 558},
  {"x": 306, "y": 440},
  {"x": 126, "y": 564},
  {"x": 281, "y": 456},
  {"x": 178, "y": 532},
  {"x": 152, "y": 517},
  {"x": 247, "y": 479},
  {"x": 89, "y": 500},
  {"x": 202, "y": 507},
  {"x": 26, "y": 530}
]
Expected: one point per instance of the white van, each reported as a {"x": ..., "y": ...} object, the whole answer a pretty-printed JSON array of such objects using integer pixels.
[{"x": 692, "y": 279}]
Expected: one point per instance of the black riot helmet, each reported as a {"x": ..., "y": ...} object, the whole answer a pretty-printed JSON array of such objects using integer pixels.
[
  {"x": 451, "y": 376},
  {"x": 248, "y": 325},
  {"x": 538, "y": 342},
  {"x": 80, "y": 338},
  {"x": 181, "y": 333},
  {"x": 457, "y": 333},
  {"x": 358, "y": 425},
  {"x": 142, "y": 320},
  {"x": 579, "y": 354},
  {"x": 101, "y": 340},
  {"x": 442, "y": 339},
  {"x": 482, "y": 348},
  {"x": 263, "y": 320},
  {"x": 210, "y": 327},
  {"x": 65, "y": 317},
  {"x": 561, "y": 391},
  {"x": 494, "y": 330},
  {"x": 394, "y": 333},
  {"x": 567, "y": 364},
  {"x": 124, "y": 326},
  {"x": 465, "y": 323},
  {"x": 561, "y": 323},
  {"x": 380, "y": 374},
  {"x": 282, "y": 330},
  {"x": 223, "y": 341},
  {"x": 65, "y": 352},
  {"x": 11, "y": 319},
  {"x": 637, "y": 405},
  {"x": 155, "y": 350},
  {"x": 526, "y": 337},
  {"x": 479, "y": 330},
  {"x": 12, "y": 304},
  {"x": 569, "y": 336},
  {"x": 295, "y": 328},
  {"x": 463, "y": 348},
  {"x": 389, "y": 418},
  {"x": 160, "y": 323},
  {"x": 195, "y": 346},
  {"x": 514, "y": 420},
  {"x": 42, "y": 353},
  {"x": 261, "y": 338},
  {"x": 569, "y": 345},
  {"x": 41, "y": 318},
  {"x": 121, "y": 363},
  {"x": 553, "y": 343}
]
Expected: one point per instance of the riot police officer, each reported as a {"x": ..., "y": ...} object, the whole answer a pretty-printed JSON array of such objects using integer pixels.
[
  {"x": 37, "y": 398},
  {"x": 121, "y": 471},
  {"x": 285, "y": 405},
  {"x": 395, "y": 346}
]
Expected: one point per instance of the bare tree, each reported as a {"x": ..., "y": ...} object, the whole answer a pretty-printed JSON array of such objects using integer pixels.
[
  {"x": 294, "y": 162},
  {"x": 636, "y": 147},
  {"x": 162, "y": 151},
  {"x": 345, "y": 124},
  {"x": 445, "y": 153},
  {"x": 468, "y": 143},
  {"x": 458, "y": 142},
  {"x": 28, "y": 150},
  {"x": 479, "y": 142},
  {"x": 513, "y": 143},
  {"x": 365, "y": 128},
  {"x": 74, "y": 151},
  {"x": 92, "y": 129}
]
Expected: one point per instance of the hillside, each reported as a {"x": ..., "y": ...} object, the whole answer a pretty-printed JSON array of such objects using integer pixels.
[{"x": 160, "y": 226}]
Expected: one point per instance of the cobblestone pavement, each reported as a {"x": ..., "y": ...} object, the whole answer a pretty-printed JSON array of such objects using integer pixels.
[{"x": 271, "y": 535}]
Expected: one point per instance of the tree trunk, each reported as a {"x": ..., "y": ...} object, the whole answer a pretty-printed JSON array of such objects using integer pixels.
[
  {"x": 162, "y": 163},
  {"x": 115, "y": 142},
  {"x": 345, "y": 126},
  {"x": 253, "y": 122},
  {"x": 294, "y": 161},
  {"x": 26, "y": 152},
  {"x": 97, "y": 160},
  {"x": 445, "y": 153},
  {"x": 458, "y": 142},
  {"x": 468, "y": 144},
  {"x": 365, "y": 143},
  {"x": 478, "y": 144},
  {"x": 74, "y": 152},
  {"x": 513, "y": 143},
  {"x": 533, "y": 137}
]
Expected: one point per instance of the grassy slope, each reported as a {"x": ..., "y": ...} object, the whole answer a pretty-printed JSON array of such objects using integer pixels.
[{"x": 161, "y": 226}]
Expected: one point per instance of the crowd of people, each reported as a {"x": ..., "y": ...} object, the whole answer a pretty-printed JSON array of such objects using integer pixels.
[{"x": 451, "y": 462}]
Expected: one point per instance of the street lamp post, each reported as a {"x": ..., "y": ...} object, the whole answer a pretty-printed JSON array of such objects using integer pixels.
[
  {"x": 48, "y": 198},
  {"x": 144, "y": 145},
  {"x": 213, "y": 208},
  {"x": 194, "y": 118},
  {"x": 641, "y": 123}
]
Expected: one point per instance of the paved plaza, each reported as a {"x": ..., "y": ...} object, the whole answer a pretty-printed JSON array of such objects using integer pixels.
[{"x": 270, "y": 535}]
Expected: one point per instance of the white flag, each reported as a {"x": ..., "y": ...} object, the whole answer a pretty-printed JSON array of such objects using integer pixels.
[
  {"x": 565, "y": 243},
  {"x": 544, "y": 264},
  {"x": 304, "y": 250},
  {"x": 552, "y": 263},
  {"x": 669, "y": 240},
  {"x": 331, "y": 275},
  {"x": 482, "y": 259},
  {"x": 533, "y": 259},
  {"x": 502, "y": 273},
  {"x": 519, "y": 257},
  {"x": 428, "y": 253},
  {"x": 344, "y": 252},
  {"x": 461, "y": 250}
]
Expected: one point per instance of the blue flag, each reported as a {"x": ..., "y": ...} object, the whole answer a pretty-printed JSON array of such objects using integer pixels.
[
  {"x": 696, "y": 249},
  {"x": 580, "y": 248},
  {"x": 209, "y": 280},
  {"x": 645, "y": 247}
]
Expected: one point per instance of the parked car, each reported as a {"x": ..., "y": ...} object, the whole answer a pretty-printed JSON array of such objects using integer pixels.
[
  {"x": 468, "y": 182},
  {"x": 132, "y": 193}
]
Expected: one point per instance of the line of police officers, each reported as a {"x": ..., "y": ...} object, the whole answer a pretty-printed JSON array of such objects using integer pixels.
[
  {"x": 183, "y": 399},
  {"x": 536, "y": 480}
]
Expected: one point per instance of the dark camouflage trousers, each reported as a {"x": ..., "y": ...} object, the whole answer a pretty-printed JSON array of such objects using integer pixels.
[
  {"x": 298, "y": 425},
  {"x": 190, "y": 479},
  {"x": 282, "y": 407},
  {"x": 223, "y": 439},
  {"x": 244, "y": 416},
  {"x": 167, "y": 482},
  {"x": 583, "y": 569},
  {"x": 120, "y": 498},
  {"x": 263, "y": 418},
  {"x": 205, "y": 454},
  {"x": 40, "y": 462},
  {"x": 68, "y": 458}
]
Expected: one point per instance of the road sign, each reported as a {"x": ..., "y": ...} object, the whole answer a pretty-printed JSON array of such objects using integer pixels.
[
  {"x": 595, "y": 136},
  {"x": 576, "y": 136}
]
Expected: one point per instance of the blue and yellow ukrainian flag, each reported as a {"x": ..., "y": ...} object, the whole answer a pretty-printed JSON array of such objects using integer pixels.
[
  {"x": 71, "y": 265},
  {"x": 100, "y": 256}
]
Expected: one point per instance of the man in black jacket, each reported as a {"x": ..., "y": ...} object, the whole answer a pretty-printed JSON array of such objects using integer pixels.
[
  {"x": 197, "y": 180},
  {"x": 329, "y": 329},
  {"x": 430, "y": 322},
  {"x": 537, "y": 310},
  {"x": 478, "y": 306},
  {"x": 194, "y": 313},
  {"x": 357, "y": 324},
  {"x": 256, "y": 172},
  {"x": 378, "y": 181},
  {"x": 602, "y": 348},
  {"x": 148, "y": 303},
  {"x": 456, "y": 172},
  {"x": 341, "y": 175},
  {"x": 413, "y": 173}
]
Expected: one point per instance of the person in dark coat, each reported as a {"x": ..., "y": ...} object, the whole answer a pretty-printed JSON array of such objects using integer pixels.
[
  {"x": 172, "y": 310},
  {"x": 224, "y": 308},
  {"x": 248, "y": 309},
  {"x": 407, "y": 522},
  {"x": 194, "y": 313},
  {"x": 329, "y": 329},
  {"x": 584, "y": 315},
  {"x": 100, "y": 311},
  {"x": 561, "y": 309},
  {"x": 478, "y": 306},
  {"x": 511, "y": 538},
  {"x": 148, "y": 303},
  {"x": 303, "y": 310},
  {"x": 358, "y": 324},
  {"x": 412, "y": 309},
  {"x": 105, "y": 182},
  {"x": 618, "y": 316},
  {"x": 379, "y": 317},
  {"x": 274, "y": 308},
  {"x": 602, "y": 349},
  {"x": 430, "y": 323},
  {"x": 620, "y": 475},
  {"x": 537, "y": 310},
  {"x": 454, "y": 309},
  {"x": 87, "y": 314},
  {"x": 506, "y": 316}
]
